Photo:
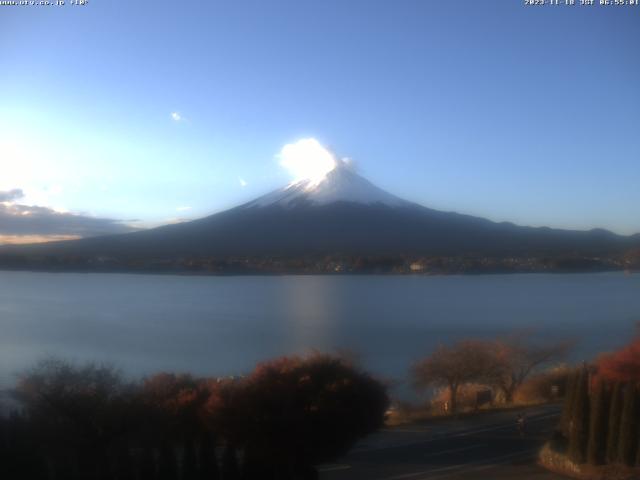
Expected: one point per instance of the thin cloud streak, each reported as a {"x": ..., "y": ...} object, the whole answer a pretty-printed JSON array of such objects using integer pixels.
[{"x": 25, "y": 239}]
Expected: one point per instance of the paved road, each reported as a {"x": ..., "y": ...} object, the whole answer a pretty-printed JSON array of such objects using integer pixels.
[{"x": 483, "y": 447}]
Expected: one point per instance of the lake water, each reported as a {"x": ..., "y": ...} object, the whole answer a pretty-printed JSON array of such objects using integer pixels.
[{"x": 224, "y": 325}]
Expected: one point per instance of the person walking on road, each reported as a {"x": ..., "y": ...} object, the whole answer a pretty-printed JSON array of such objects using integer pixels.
[{"x": 520, "y": 424}]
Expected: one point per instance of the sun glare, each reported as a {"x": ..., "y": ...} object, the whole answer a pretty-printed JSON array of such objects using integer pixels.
[{"x": 307, "y": 159}]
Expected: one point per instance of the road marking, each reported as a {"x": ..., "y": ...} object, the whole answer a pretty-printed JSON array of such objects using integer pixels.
[
  {"x": 333, "y": 468},
  {"x": 483, "y": 465},
  {"x": 443, "y": 452},
  {"x": 486, "y": 466},
  {"x": 453, "y": 450},
  {"x": 406, "y": 430},
  {"x": 417, "y": 474}
]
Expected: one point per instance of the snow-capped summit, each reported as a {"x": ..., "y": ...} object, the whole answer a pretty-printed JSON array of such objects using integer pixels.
[{"x": 341, "y": 184}]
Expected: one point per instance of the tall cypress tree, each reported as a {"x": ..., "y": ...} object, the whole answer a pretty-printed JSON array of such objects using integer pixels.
[
  {"x": 124, "y": 463},
  {"x": 189, "y": 461},
  {"x": 167, "y": 462},
  {"x": 629, "y": 426},
  {"x": 208, "y": 461},
  {"x": 613, "y": 430},
  {"x": 579, "y": 423},
  {"x": 230, "y": 468},
  {"x": 256, "y": 467},
  {"x": 596, "y": 450},
  {"x": 146, "y": 463},
  {"x": 567, "y": 407}
]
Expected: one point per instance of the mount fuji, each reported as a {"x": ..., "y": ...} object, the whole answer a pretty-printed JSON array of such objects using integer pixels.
[{"x": 340, "y": 213}]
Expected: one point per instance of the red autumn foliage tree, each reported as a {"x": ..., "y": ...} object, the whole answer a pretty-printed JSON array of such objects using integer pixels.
[
  {"x": 303, "y": 411},
  {"x": 223, "y": 411},
  {"x": 178, "y": 397},
  {"x": 622, "y": 365},
  {"x": 172, "y": 408}
]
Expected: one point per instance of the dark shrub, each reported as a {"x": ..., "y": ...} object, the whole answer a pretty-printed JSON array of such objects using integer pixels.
[{"x": 305, "y": 411}]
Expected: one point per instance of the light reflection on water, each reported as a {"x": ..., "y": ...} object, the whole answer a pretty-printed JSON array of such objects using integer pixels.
[{"x": 224, "y": 325}]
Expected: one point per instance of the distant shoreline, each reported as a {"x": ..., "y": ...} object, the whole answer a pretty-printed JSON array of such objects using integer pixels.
[
  {"x": 189, "y": 273},
  {"x": 323, "y": 264}
]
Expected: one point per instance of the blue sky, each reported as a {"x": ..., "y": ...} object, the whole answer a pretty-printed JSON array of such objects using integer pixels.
[{"x": 511, "y": 112}]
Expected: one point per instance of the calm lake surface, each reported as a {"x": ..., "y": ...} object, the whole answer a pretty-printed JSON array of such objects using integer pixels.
[{"x": 224, "y": 325}]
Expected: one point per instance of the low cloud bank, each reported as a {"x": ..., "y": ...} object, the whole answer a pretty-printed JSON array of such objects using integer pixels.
[{"x": 18, "y": 220}]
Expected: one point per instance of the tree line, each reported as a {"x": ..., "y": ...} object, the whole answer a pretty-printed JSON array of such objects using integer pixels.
[
  {"x": 288, "y": 415},
  {"x": 280, "y": 421}
]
